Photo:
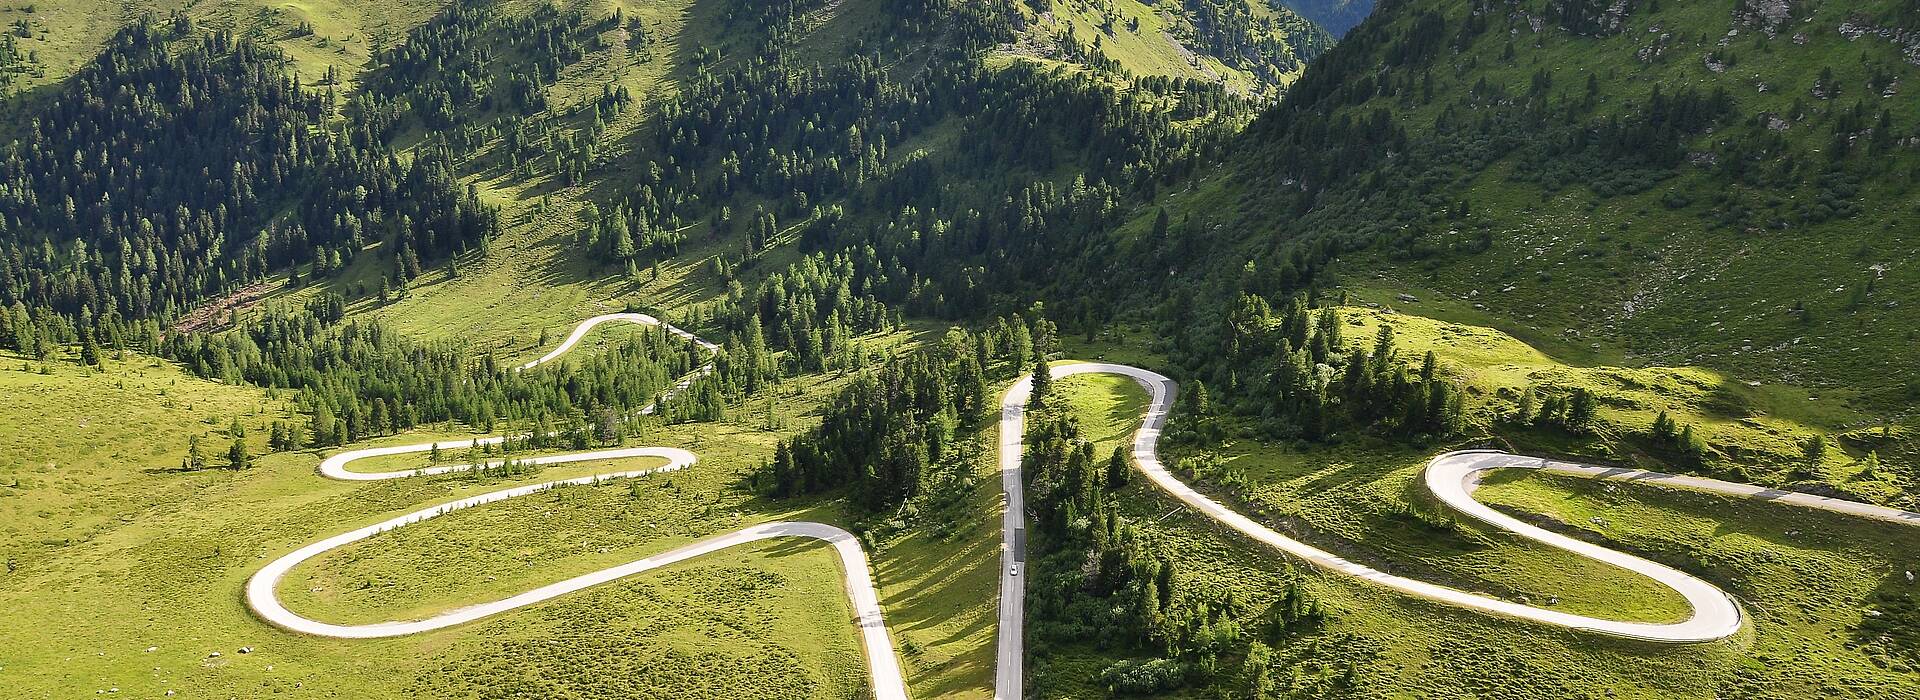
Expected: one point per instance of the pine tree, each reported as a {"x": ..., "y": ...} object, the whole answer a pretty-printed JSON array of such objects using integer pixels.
[
  {"x": 1581, "y": 412},
  {"x": 89, "y": 351},
  {"x": 1019, "y": 343},
  {"x": 1382, "y": 356},
  {"x": 196, "y": 458},
  {"x": 237, "y": 456},
  {"x": 1814, "y": 450},
  {"x": 622, "y": 245},
  {"x": 1664, "y": 430},
  {"x": 323, "y": 425},
  {"x": 1042, "y": 385},
  {"x": 1117, "y": 471},
  {"x": 1870, "y": 465}
]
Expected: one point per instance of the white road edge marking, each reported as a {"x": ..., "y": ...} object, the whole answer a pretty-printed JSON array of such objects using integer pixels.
[
  {"x": 262, "y": 592},
  {"x": 1451, "y": 477}
]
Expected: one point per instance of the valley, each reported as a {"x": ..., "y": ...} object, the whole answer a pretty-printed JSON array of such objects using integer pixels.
[{"x": 956, "y": 349}]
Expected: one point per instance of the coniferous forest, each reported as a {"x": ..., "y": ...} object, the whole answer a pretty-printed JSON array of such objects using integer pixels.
[
  {"x": 1359, "y": 243},
  {"x": 182, "y": 165}
]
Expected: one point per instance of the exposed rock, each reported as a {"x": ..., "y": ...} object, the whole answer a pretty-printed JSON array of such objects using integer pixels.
[
  {"x": 1907, "y": 40},
  {"x": 1646, "y": 54},
  {"x": 1767, "y": 15}
]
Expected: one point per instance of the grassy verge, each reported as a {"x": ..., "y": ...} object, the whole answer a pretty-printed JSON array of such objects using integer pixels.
[
  {"x": 135, "y": 569},
  {"x": 1807, "y": 580}
]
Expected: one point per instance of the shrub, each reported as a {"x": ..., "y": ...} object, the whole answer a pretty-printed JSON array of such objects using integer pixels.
[{"x": 1137, "y": 677}]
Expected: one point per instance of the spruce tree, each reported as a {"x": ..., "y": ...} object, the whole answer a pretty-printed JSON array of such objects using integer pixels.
[
  {"x": 196, "y": 458},
  {"x": 1042, "y": 394},
  {"x": 1663, "y": 429},
  {"x": 237, "y": 455},
  {"x": 1814, "y": 450},
  {"x": 89, "y": 351},
  {"x": 1117, "y": 471},
  {"x": 1690, "y": 443},
  {"x": 1581, "y": 412}
]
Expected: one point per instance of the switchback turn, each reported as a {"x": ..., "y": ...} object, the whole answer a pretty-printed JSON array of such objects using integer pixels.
[{"x": 1451, "y": 477}]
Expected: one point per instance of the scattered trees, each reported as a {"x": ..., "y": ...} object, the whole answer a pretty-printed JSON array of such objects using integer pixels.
[{"x": 1098, "y": 578}]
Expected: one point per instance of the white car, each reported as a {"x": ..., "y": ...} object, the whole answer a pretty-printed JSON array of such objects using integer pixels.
[{"x": 1013, "y": 571}]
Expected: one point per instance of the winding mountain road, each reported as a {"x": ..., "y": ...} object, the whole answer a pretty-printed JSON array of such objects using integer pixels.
[
  {"x": 262, "y": 590},
  {"x": 1451, "y": 477}
]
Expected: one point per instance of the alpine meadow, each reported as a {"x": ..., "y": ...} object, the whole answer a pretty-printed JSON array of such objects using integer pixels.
[{"x": 960, "y": 349}]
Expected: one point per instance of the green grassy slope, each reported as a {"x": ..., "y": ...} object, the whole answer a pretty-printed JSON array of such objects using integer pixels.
[
  {"x": 118, "y": 552},
  {"x": 1814, "y": 584},
  {"x": 1255, "y": 48},
  {"x": 169, "y": 579},
  {"x": 319, "y": 34},
  {"x": 1669, "y": 183},
  {"x": 90, "y": 450}
]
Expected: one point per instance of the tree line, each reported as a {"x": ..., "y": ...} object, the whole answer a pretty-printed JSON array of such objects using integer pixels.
[
  {"x": 1295, "y": 375},
  {"x": 360, "y": 379},
  {"x": 161, "y": 174}
]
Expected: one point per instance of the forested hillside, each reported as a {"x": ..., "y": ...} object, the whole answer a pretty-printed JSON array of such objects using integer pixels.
[
  {"x": 257, "y": 170},
  {"x": 1678, "y": 234},
  {"x": 1724, "y": 183},
  {"x": 1602, "y": 178},
  {"x": 180, "y": 166}
]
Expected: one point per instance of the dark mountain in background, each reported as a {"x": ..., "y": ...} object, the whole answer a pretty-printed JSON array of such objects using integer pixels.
[{"x": 1336, "y": 16}]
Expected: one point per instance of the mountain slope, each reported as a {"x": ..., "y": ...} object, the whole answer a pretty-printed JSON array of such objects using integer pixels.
[
  {"x": 1701, "y": 182},
  {"x": 1336, "y": 16},
  {"x": 1252, "y": 47},
  {"x": 789, "y": 177}
]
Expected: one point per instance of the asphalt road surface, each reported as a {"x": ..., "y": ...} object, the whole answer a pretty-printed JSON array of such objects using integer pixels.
[{"x": 1451, "y": 477}]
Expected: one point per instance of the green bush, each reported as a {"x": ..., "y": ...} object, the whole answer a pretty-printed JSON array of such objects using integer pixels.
[{"x": 1137, "y": 677}]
